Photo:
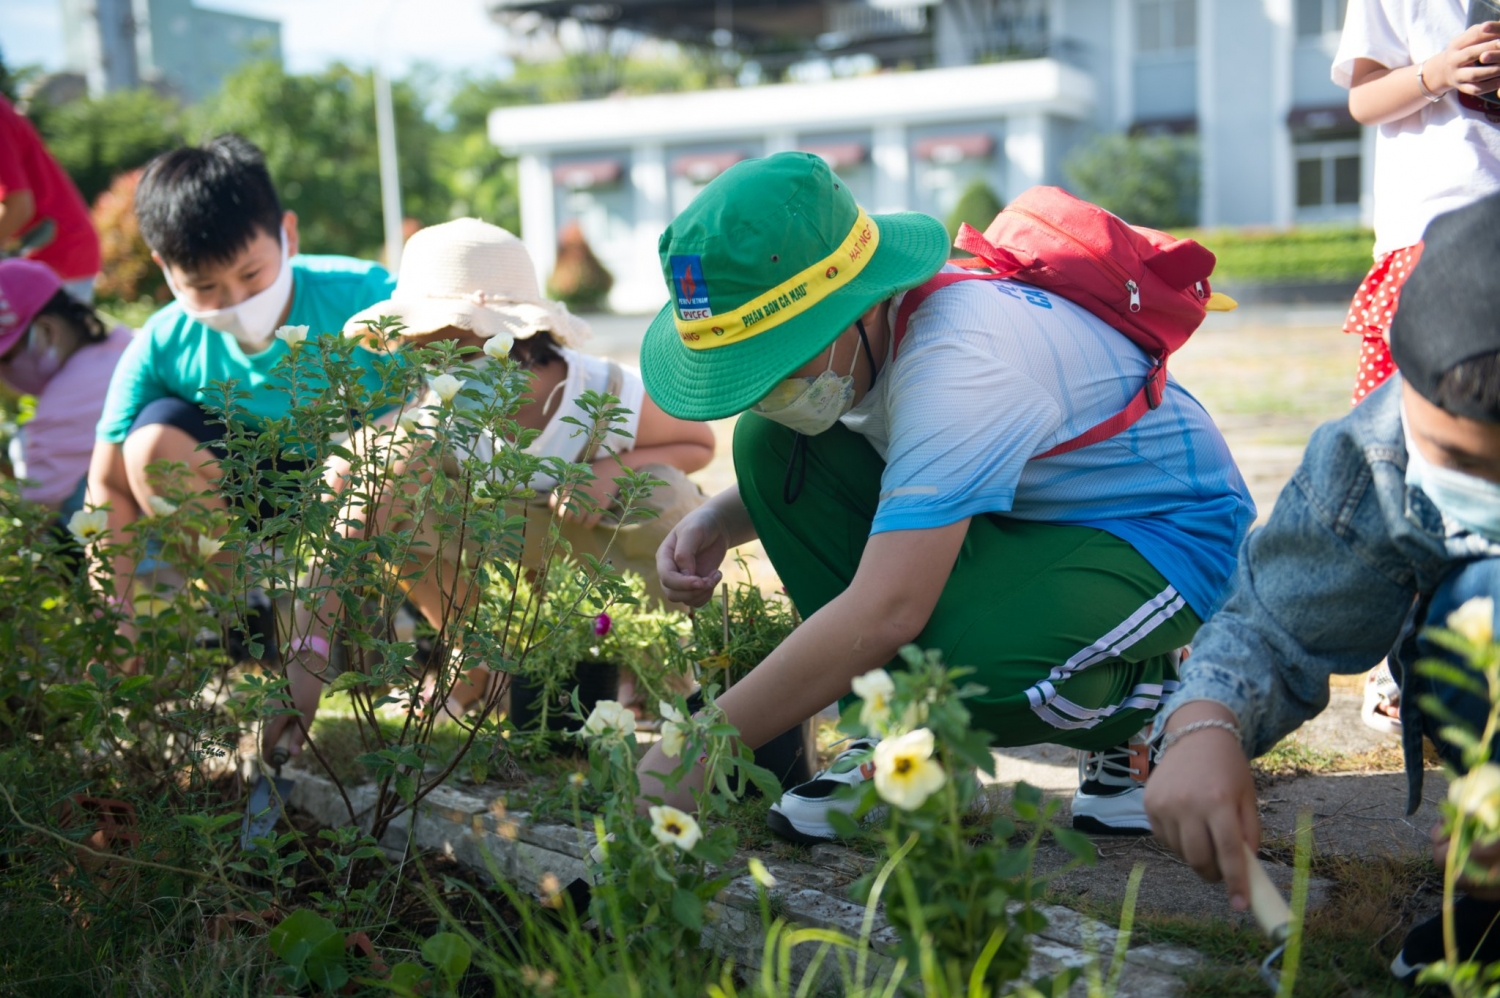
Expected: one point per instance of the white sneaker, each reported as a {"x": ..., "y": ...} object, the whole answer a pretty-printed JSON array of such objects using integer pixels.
[
  {"x": 1111, "y": 797},
  {"x": 802, "y": 813}
]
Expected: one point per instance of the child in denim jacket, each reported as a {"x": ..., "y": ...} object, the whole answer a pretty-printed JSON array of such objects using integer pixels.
[{"x": 1391, "y": 524}]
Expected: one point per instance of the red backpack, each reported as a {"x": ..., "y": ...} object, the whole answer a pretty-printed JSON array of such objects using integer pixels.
[{"x": 1149, "y": 285}]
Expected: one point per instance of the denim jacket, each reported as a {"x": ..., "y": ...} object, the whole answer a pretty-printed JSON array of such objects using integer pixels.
[{"x": 1338, "y": 578}]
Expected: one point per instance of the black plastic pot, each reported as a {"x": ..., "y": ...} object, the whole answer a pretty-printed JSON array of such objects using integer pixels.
[
  {"x": 594, "y": 681},
  {"x": 790, "y": 755}
]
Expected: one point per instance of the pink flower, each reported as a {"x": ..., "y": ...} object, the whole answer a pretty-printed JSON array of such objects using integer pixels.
[{"x": 602, "y": 624}]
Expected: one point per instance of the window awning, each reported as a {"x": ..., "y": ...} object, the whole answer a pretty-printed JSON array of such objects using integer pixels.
[
  {"x": 955, "y": 148},
  {"x": 588, "y": 173},
  {"x": 839, "y": 155},
  {"x": 703, "y": 167},
  {"x": 1322, "y": 118}
]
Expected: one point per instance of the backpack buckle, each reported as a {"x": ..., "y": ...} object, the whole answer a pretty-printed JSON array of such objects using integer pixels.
[{"x": 1156, "y": 383}]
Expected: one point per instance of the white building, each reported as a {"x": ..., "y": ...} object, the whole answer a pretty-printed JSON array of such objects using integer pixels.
[{"x": 1249, "y": 77}]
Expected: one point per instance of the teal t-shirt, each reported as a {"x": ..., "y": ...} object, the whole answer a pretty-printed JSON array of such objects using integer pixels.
[{"x": 178, "y": 357}]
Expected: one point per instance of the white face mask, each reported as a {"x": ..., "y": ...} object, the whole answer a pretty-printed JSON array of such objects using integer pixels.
[
  {"x": 253, "y": 321},
  {"x": 810, "y": 405},
  {"x": 1470, "y": 501}
]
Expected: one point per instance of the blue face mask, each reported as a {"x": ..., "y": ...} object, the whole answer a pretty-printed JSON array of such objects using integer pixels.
[{"x": 1471, "y": 502}]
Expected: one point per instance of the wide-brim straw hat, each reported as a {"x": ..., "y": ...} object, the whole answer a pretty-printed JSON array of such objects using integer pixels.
[
  {"x": 475, "y": 276},
  {"x": 766, "y": 267}
]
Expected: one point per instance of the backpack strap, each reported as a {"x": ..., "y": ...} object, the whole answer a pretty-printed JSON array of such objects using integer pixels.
[{"x": 1148, "y": 398}]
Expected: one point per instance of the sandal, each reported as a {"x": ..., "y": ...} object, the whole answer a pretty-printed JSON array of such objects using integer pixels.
[{"x": 1382, "y": 696}]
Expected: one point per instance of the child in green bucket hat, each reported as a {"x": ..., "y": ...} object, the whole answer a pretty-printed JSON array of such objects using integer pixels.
[{"x": 896, "y": 494}]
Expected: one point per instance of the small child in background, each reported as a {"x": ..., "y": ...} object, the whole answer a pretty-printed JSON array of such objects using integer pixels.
[
  {"x": 58, "y": 349},
  {"x": 1414, "y": 69}
]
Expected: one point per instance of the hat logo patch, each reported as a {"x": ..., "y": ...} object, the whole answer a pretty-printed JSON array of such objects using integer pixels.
[
  {"x": 831, "y": 273},
  {"x": 691, "y": 286}
]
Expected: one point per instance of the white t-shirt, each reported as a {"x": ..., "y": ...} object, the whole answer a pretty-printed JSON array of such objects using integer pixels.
[
  {"x": 565, "y": 440},
  {"x": 991, "y": 374},
  {"x": 1440, "y": 158}
]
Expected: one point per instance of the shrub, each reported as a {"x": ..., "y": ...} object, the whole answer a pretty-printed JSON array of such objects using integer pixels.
[
  {"x": 126, "y": 271},
  {"x": 977, "y": 205},
  {"x": 579, "y": 280},
  {"x": 1297, "y": 255},
  {"x": 1149, "y": 180}
]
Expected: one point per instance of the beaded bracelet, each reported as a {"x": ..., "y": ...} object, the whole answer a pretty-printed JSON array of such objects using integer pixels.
[{"x": 1172, "y": 737}]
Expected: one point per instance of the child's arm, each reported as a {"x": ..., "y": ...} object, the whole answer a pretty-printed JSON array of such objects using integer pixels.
[{"x": 1470, "y": 64}]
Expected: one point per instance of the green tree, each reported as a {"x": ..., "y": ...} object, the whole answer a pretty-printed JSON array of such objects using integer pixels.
[
  {"x": 318, "y": 134},
  {"x": 480, "y": 180},
  {"x": 98, "y": 138},
  {"x": 977, "y": 205},
  {"x": 1145, "y": 179}
]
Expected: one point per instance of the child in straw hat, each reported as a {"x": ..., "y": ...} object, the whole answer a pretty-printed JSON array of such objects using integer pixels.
[{"x": 473, "y": 283}]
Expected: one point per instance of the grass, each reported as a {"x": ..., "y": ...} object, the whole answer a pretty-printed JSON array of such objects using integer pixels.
[
  {"x": 1350, "y": 939},
  {"x": 1293, "y": 758}
]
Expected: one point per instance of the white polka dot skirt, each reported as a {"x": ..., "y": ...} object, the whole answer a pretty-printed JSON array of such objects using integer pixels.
[{"x": 1370, "y": 315}]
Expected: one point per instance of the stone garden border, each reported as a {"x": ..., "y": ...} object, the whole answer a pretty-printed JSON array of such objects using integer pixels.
[{"x": 479, "y": 836}]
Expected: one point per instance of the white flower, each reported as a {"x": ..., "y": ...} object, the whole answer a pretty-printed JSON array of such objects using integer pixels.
[
  {"x": 1475, "y": 620},
  {"x": 88, "y": 524},
  {"x": 761, "y": 874},
  {"x": 498, "y": 346},
  {"x": 905, "y": 772},
  {"x": 445, "y": 386},
  {"x": 208, "y": 546},
  {"x": 160, "y": 506},
  {"x": 292, "y": 335},
  {"x": 674, "y": 729},
  {"x": 576, "y": 779},
  {"x": 410, "y": 420},
  {"x": 1478, "y": 794},
  {"x": 26, "y": 554},
  {"x": 874, "y": 688},
  {"x": 674, "y": 828},
  {"x": 610, "y": 718}
]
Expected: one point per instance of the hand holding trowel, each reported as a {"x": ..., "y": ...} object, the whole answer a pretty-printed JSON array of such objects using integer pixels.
[{"x": 269, "y": 794}]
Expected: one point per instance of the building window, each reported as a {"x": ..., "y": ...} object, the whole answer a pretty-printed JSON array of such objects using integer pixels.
[
  {"x": 1328, "y": 178},
  {"x": 1166, "y": 25},
  {"x": 1320, "y": 17}
]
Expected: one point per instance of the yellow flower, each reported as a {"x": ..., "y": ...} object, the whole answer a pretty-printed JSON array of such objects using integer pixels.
[
  {"x": 674, "y": 828},
  {"x": 1475, "y": 620},
  {"x": 497, "y": 346},
  {"x": 1478, "y": 794},
  {"x": 160, "y": 506},
  {"x": 208, "y": 546},
  {"x": 761, "y": 874},
  {"x": 88, "y": 524},
  {"x": 549, "y": 889},
  {"x": 445, "y": 386},
  {"x": 905, "y": 772},
  {"x": 674, "y": 729},
  {"x": 874, "y": 688},
  {"x": 609, "y": 718},
  {"x": 576, "y": 779},
  {"x": 292, "y": 335},
  {"x": 542, "y": 981}
]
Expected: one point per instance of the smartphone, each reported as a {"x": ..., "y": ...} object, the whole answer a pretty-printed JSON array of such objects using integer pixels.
[{"x": 1481, "y": 11}]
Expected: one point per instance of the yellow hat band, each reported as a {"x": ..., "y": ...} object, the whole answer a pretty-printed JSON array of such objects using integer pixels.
[{"x": 789, "y": 298}]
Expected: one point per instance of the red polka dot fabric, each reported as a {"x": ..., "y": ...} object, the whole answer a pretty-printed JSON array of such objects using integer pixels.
[{"x": 1370, "y": 315}]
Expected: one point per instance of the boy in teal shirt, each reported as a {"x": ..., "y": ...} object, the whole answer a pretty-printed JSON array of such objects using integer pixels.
[{"x": 229, "y": 252}]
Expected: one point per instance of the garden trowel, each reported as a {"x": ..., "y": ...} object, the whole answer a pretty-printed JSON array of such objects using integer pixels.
[
  {"x": 1271, "y": 911},
  {"x": 269, "y": 794}
]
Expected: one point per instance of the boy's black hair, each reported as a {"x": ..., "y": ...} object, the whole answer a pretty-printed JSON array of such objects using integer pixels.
[
  {"x": 1472, "y": 387},
  {"x": 201, "y": 205},
  {"x": 82, "y": 317}
]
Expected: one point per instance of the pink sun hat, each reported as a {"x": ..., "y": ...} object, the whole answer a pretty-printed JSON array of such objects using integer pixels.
[{"x": 25, "y": 287}]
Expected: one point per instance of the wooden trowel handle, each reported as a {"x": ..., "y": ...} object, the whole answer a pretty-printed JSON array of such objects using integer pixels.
[{"x": 1266, "y": 902}]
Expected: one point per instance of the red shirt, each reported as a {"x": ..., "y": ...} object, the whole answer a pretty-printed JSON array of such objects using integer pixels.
[{"x": 25, "y": 165}]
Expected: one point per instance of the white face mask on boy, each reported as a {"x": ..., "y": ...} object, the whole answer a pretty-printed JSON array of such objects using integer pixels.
[
  {"x": 1470, "y": 501},
  {"x": 253, "y": 321},
  {"x": 810, "y": 405}
]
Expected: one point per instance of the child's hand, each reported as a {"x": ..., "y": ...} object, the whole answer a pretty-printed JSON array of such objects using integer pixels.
[
  {"x": 688, "y": 560},
  {"x": 1201, "y": 800},
  {"x": 1470, "y": 64}
]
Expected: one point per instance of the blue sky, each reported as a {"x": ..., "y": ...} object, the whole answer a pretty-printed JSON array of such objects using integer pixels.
[{"x": 450, "y": 34}]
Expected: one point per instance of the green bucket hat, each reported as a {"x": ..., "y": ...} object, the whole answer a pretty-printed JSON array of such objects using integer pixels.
[{"x": 766, "y": 267}]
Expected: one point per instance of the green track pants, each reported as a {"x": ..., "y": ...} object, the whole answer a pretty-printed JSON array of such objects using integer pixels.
[{"x": 1072, "y": 632}]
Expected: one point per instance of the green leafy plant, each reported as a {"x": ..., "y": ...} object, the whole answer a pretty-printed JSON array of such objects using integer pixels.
[{"x": 757, "y": 623}]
